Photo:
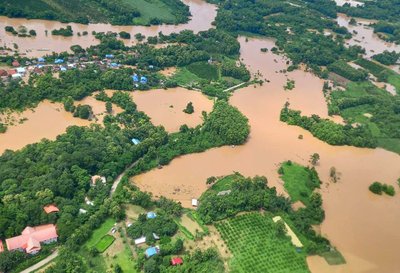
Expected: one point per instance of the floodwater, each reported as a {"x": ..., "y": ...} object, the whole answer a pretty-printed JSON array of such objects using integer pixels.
[
  {"x": 365, "y": 36},
  {"x": 362, "y": 226},
  {"x": 165, "y": 107},
  {"x": 203, "y": 15},
  {"x": 47, "y": 120}
]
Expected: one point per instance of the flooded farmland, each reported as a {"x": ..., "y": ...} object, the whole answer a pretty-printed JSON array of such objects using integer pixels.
[
  {"x": 165, "y": 107},
  {"x": 347, "y": 203}
]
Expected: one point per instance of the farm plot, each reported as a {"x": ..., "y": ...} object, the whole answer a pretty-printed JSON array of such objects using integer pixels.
[
  {"x": 104, "y": 243},
  {"x": 256, "y": 247}
]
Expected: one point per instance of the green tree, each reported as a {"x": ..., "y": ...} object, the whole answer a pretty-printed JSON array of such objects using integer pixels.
[{"x": 189, "y": 108}]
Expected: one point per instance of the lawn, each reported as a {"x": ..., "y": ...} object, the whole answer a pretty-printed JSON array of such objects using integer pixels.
[
  {"x": 151, "y": 9},
  {"x": 104, "y": 243},
  {"x": 204, "y": 70},
  {"x": 256, "y": 248},
  {"x": 299, "y": 181},
  {"x": 99, "y": 233},
  {"x": 185, "y": 78}
]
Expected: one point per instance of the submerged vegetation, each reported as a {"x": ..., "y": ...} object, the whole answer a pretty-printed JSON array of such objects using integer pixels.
[{"x": 379, "y": 188}]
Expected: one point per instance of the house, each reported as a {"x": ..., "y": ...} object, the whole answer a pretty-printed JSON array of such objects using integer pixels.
[
  {"x": 41, "y": 60},
  {"x": 143, "y": 80},
  {"x": 50, "y": 209},
  {"x": 63, "y": 69},
  {"x": 176, "y": 261},
  {"x": 156, "y": 237},
  {"x": 32, "y": 237},
  {"x": 135, "y": 141},
  {"x": 97, "y": 178},
  {"x": 109, "y": 56},
  {"x": 16, "y": 76},
  {"x": 15, "y": 63},
  {"x": 88, "y": 202},
  {"x": 140, "y": 240},
  {"x": 151, "y": 251},
  {"x": 11, "y": 72},
  {"x": 151, "y": 215},
  {"x": 195, "y": 202},
  {"x": 135, "y": 78},
  {"x": 82, "y": 211},
  {"x": 21, "y": 70},
  {"x": 1, "y": 246},
  {"x": 58, "y": 61},
  {"x": 3, "y": 73}
]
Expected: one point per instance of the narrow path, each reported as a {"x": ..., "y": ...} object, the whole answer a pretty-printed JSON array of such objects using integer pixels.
[
  {"x": 119, "y": 177},
  {"x": 41, "y": 263},
  {"x": 234, "y": 87}
]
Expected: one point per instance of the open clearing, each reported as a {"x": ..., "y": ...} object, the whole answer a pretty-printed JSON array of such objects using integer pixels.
[{"x": 104, "y": 243}]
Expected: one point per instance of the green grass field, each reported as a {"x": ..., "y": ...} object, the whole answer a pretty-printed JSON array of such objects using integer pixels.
[
  {"x": 256, "y": 248},
  {"x": 186, "y": 78},
  {"x": 299, "y": 181},
  {"x": 100, "y": 233},
  {"x": 151, "y": 9},
  {"x": 204, "y": 70},
  {"x": 104, "y": 243}
]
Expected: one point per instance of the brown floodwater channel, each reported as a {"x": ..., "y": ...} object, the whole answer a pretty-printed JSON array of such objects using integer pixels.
[
  {"x": 362, "y": 226},
  {"x": 202, "y": 16}
]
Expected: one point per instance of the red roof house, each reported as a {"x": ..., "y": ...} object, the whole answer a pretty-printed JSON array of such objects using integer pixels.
[
  {"x": 11, "y": 72},
  {"x": 32, "y": 237},
  {"x": 15, "y": 63},
  {"x": 176, "y": 261},
  {"x": 3, "y": 73},
  {"x": 50, "y": 209},
  {"x": 1, "y": 246}
]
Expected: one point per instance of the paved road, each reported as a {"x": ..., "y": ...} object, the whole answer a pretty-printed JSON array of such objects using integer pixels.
[{"x": 41, "y": 263}]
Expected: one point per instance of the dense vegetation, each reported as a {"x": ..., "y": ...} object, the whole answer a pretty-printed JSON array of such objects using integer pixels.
[
  {"x": 345, "y": 70},
  {"x": 329, "y": 131},
  {"x": 379, "y": 188},
  {"x": 117, "y": 12},
  {"x": 387, "y": 57}
]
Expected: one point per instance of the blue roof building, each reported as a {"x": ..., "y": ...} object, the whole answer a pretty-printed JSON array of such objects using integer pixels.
[
  {"x": 58, "y": 61},
  {"x": 151, "y": 215},
  {"x": 63, "y": 69},
  {"x": 109, "y": 56},
  {"x": 143, "y": 79},
  {"x": 135, "y": 78},
  {"x": 41, "y": 60},
  {"x": 114, "y": 65},
  {"x": 151, "y": 251},
  {"x": 135, "y": 141}
]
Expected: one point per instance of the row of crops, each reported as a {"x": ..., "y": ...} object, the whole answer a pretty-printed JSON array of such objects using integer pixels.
[{"x": 256, "y": 248}]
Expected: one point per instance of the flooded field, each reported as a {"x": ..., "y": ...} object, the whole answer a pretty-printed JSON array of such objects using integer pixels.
[
  {"x": 366, "y": 246},
  {"x": 165, "y": 107},
  {"x": 203, "y": 14},
  {"x": 47, "y": 120},
  {"x": 365, "y": 36}
]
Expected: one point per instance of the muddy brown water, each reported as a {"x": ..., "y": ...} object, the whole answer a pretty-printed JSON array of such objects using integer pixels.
[
  {"x": 365, "y": 36},
  {"x": 203, "y": 14},
  {"x": 362, "y": 226},
  {"x": 47, "y": 120},
  {"x": 165, "y": 107}
]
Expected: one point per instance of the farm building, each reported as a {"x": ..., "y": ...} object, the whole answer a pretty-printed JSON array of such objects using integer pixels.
[
  {"x": 32, "y": 237},
  {"x": 135, "y": 141},
  {"x": 151, "y": 251},
  {"x": 140, "y": 240},
  {"x": 96, "y": 178},
  {"x": 151, "y": 215},
  {"x": 50, "y": 209},
  {"x": 176, "y": 261}
]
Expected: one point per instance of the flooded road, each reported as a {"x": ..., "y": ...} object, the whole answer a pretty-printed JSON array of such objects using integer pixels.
[
  {"x": 367, "y": 244},
  {"x": 203, "y": 14},
  {"x": 165, "y": 107}
]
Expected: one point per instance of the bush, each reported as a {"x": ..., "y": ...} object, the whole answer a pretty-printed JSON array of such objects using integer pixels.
[{"x": 378, "y": 188}]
